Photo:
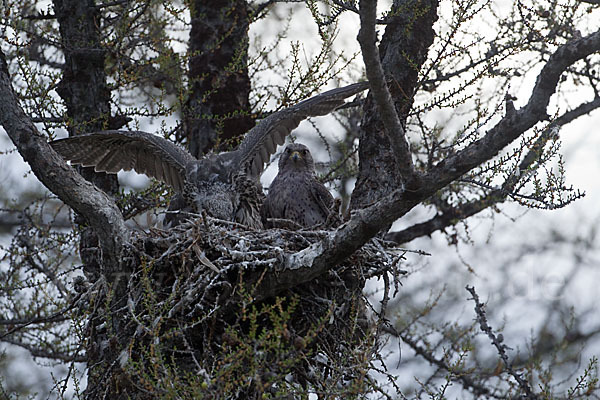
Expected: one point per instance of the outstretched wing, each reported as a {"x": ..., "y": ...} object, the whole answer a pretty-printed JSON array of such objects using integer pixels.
[
  {"x": 112, "y": 151},
  {"x": 262, "y": 140}
]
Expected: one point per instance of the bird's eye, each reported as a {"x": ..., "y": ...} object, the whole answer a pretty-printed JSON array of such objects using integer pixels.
[
  {"x": 287, "y": 150},
  {"x": 304, "y": 151}
]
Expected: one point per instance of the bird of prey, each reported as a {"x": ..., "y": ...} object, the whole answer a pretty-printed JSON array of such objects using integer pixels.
[
  {"x": 295, "y": 193},
  {"x": 225, "y": 185}
]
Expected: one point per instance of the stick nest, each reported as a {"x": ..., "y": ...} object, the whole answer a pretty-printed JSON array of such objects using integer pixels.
[{"x": 193, "y": 296}]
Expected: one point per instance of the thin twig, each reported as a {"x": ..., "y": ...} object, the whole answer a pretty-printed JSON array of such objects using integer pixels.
[{"x": 497, "y": 342}]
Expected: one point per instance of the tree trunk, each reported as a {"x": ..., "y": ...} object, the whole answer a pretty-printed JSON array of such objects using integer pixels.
[
  {"x": 83, "y": 86},
  {"x": 403, "y": 50},
  {"x": 85, "y": 92},
  {"x": 217, "y": 111}
]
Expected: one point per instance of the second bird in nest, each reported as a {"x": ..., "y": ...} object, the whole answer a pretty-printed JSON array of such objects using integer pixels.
[{"x": 295, "y": 193}]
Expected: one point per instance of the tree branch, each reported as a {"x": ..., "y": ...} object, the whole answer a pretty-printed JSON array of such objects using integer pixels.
[
  {"x": 379, "y": 90},
  {"x": 367, "y": 222},
  {"x": 514, "y": 124},
  {"x": 402, "y": 53},
  {"x": 46, "y": 353},
  {"x": 451, "y": 216},
  {"x": 500, "y": 347},
  {"x": 97, "y": 208},
  {"x": 461, "y": 376}
]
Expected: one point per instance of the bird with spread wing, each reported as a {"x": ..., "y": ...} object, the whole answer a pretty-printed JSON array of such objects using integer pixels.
[{"x": 225, "y": 185}]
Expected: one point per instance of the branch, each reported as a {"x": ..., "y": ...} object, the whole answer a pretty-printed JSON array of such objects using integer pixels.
[
  {"x": 258, "y": 11},
  {"x": 47, "y": 353},
  {"x": 97, "y": 208},
  {"x": 17, "y": 324},
  {"x": 12, "y": 218},
  {"x": 497, "y": 342},
  {"x": 367, "y": 38},
  {"x": 460, "y": 376},
  {"x": 451, "y": 216},
  {"x": 39, "y": 16},
  {"x": 365, "y": 223},
  {"x": 111, "y": 4},
  {"x": 25, "y": 322},
  {"x": 320, "y": 257},
  {"x": 351, "y": 6},
  {"x": 514, "y": 124}
]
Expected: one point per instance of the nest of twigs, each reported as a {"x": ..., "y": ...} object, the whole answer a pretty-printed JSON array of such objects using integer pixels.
[
  {"x": 208, "y": 257},
  {"x": 196, "y": 289}
]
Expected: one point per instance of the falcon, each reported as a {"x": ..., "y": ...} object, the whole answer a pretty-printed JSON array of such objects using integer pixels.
[
  {"x": 295, "y": 193},
  {"x": 225, "y": 185}
]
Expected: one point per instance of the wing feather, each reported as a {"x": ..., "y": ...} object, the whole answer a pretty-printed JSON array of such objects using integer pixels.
[
  {"x": 110, "y": 162},
  {"x": 111, "y": 151},
  {"x": 271, "y": 145},
  {"x": 260, "y": 142},
  {"x": 322, "y": 197}
]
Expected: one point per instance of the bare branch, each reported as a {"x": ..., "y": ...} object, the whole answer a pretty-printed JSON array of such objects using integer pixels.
[
  {"x": 98, "y": 209},
  {"x": 451, "y": 216},
  {"x": 500, "y": 347},
  {"x": 512, "y": 126},
  {"x": 47, "y": 353},
  {"x": 463, "y": 378},
  {"x": 379, "y": 90}
]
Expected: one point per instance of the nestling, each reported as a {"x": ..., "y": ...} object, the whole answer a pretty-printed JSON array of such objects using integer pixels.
[{"x": 295, "y": 193}]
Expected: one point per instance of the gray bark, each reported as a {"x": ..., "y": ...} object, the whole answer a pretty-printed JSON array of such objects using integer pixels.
[
  {"x": 217, "y": 111},
  {"x": 402, "y": 51},
  {"x": 85, "y": 198}
]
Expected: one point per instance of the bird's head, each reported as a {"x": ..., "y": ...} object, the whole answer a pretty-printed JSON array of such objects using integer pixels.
[{"x": 296, "y": 157}]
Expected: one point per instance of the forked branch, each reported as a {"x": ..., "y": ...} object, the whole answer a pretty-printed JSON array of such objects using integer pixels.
[
  {"x": 367, "y": 37},
  {"x": 367, "y": 222}
]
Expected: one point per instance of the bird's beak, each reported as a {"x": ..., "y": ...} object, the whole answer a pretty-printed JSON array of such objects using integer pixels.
[{"x": 296, "y": 155}]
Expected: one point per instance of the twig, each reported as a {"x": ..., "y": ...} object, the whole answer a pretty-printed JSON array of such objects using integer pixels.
[
  {"x": 463, "y": 378},
  {"x": 497, "y": 342},
  {"x": 450, "y": 216},
  {"x": 58, "y": 316}
]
